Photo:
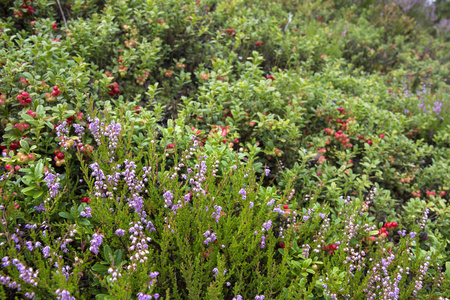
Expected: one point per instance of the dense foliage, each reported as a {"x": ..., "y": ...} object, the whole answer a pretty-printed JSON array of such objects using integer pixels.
[{"x": 219, "y": 149}]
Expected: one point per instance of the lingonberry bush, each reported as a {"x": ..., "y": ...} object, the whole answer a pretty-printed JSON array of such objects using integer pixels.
[{"x": 224, "y": 150}]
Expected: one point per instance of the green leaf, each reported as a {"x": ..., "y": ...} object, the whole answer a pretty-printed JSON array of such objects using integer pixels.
[
  {"x": 104, "y": 297},
  {"x": 100, "y": 268},
  {"x": 37, "y": 194},
  {"x": 24, "y": 145},
  {"x": 107, "y": 252},
  {"x": 117, "y": 257},
  {"x": 65, "y": 215},
  {"x": 39, "y": 169},
  {"x": 27, "y": 75}
]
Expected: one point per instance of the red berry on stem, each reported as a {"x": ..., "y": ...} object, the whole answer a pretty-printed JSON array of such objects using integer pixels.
[{"x": 60, "y": 155}]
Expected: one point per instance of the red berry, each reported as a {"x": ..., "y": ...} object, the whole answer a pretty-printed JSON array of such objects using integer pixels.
[
  {"x": 382, "y": 136},
  {"x": 333, "y": 247},
  {"x": 285, "y": 206},
  {"x": 394, "y": 224},
  {"x": 60, "y": 155},
  {"x": 86, "y": 200},
  {"x": 369, "y": 142},
  {"x": 13, "y": 146},
  {"x": 282, "y": 245},
  {"x": 388, "y": 225},
  {"x": 8, "y": 167}
]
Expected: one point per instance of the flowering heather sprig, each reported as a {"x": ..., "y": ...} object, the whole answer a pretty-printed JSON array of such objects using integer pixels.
[
  {"x": 216, "y": 214},
  {"x": 79, "y": 130},
  {"x": 86, "y": 213},
  {"x": 115, "y": 273},
  {"x": 138, "y": 244},
  {"x": 99, "y": 178},
  {"x": 120, "y": 232},
  {"x": 168, "y": 197},
  {"x": 271, "y": 202},
  {"x": 95, "y": 128},
  {"x": 305, "y": 251},
  {"x": 61, "y": 130},
  {"x": 210, "y": 237},
  {"x": 266, "y": 226},
  {"x": 238, "y": 297},
  {"x": 267, "y": 172},
  {"x": 96, "y": 242},
  {"x": 63, "y": 295},
  {"x": 243, "y": 192},
  {"x": 52, "y": 183},
  {"x": 424, "y": 219},
  {"x": 6, "y": 281},
  {"x": 46, "y": 251},
  {"x": 263, "y": 241},
  {"x": 260, "y": 297},
  {"x": 26, "y": 275},
  {"x": 418, "y": 283},
  {"x": 41, "y": 207}
]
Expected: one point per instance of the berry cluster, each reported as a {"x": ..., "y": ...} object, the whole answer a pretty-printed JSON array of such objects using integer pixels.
[
  {"x": 21, "y": 126},
  {"x": 361, "y": 137},
  {"x": 56, "y": 91},
  {"x": 114, "y": 89},
  {"x": 31, "y": 113},
  {"x": 339, "y": 136},
  {"x": 24, "y": 82},
  {"x": 25, "y": 158},
  {"x": 24, "y": 98},
  {"x": 143, "y": 78},
  {"x": 85, "y": 148},
  {"x": 2, "y": 99},
  {"x": 383, "y": 231},
  {"x": 331, "y": 248},
  {"x": 59, "y": 157},
  {"x": 27, "y": 9},
  {"x": 86, "y": 200}
]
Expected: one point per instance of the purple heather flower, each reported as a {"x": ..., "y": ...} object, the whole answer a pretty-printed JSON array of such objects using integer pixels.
[
  {"x": 120, "y": 232},
  {"x": 260, "y": 297},
  {"x": 5, "y": 261},
  {"x": 86, "y": 213},
  {"x": 243, "y": 193},
  {"x": 96, "y": 242},
  {"x": 63, "y": 295},
  {"x": 267, "y": 225},
  {"x": 46, "y": 251},
  {"x": 168, "y": 197},
  {"x": 251, "y": 204},
  {"x": 217, "y": 213},
  {"x": 228, "y": 284},
  {"x": 413, "y": 234},
  {"x": 267, "y": 171},
  {"x": 402, "y": 233},
  {"x": 52, "y": 183},
  {"x": 322, "y": 215},
  {"x": 271, "y": 202},
  {"x": 238, "y": 297},
  {"x": 142, "y": 296}
]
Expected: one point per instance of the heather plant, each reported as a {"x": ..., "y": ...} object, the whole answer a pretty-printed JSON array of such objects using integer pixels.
[{"x": 216, "y": 149}]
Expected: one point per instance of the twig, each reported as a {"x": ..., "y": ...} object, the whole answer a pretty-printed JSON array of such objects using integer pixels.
[{"x": 62, "y": 14}]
